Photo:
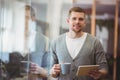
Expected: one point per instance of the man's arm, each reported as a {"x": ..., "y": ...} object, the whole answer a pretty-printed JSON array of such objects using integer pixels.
[
  {"x": 100, "y": 59},
  {"x": 54, "y": 65},
  {"x": 98, "y": 74}
]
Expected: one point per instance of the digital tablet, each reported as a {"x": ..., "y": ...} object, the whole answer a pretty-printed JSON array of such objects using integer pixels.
[{"x": 85, "y": 69}]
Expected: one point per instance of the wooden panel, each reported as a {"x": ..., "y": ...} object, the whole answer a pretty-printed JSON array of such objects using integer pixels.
[
  {"x": 93, "y": 18},
  {"x": 27, "y": 15},
  {"x": 115, "y": 41}
]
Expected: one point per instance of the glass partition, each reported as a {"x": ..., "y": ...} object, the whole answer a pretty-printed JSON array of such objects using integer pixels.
[
  {"x": 26, "y": 29},
  {"x": 12, "y": 24},
  {"x": 28, "y": 26},
  {"x": 24, "y": 37}
]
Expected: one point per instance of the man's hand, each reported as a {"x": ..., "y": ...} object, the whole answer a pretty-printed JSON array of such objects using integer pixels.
[
  {"x": 97, "y": 74},
  {"x": 36, "y": 69},
  {"x": 55, "y": 71}
]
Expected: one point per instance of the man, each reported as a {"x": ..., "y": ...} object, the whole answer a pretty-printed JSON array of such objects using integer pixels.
[
  {"x": 78, "y": 48},
  {"x": 38, "y": 46}
]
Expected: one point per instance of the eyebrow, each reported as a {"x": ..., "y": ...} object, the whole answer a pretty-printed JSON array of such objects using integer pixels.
[{"x": 78, "y": 18}]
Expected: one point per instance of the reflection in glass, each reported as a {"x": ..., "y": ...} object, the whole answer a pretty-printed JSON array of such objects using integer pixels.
[{"x": 23, "y": 36}]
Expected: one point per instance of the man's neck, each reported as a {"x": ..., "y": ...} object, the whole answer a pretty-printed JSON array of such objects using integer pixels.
[{"x": 75, "y": 35}]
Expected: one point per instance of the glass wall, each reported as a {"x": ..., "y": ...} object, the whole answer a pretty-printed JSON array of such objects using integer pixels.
[
  {"x": 26, "y": 29},
  {"x": 12, "y": 26},
  {"x": 28, "y": 26}
]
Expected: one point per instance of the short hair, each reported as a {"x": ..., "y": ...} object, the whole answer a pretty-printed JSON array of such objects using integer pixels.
[
  {"x": 32, "y": 11},
  {"x": 76, "y": 9}
]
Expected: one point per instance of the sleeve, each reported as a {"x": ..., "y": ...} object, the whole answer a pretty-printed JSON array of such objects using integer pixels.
[
  {"x": 100, "y": 57},
  {"x": 53, "y": 57}
]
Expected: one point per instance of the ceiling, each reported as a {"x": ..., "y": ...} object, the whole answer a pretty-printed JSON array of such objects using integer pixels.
[
  {"x": 106, "y": 2},
  {"x": 103, "y": 6}
]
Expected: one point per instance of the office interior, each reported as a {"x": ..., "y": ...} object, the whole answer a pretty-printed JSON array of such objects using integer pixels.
[{"x": 103, "y": 21}]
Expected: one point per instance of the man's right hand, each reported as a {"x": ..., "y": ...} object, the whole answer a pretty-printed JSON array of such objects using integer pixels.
[{"x": 55, "y": 71}]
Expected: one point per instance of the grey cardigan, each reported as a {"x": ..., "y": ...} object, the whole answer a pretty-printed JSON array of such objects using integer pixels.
[{"x": 91, "y": 53}]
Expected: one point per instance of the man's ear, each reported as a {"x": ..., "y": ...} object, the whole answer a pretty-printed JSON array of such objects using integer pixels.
[
  {"x": 67, "y": 20},
  {"x": 85, "y": 23}
]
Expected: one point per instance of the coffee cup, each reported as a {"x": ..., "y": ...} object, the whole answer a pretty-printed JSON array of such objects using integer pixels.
[
  {"x": 65, "y": 68},
  {"x": 25, "y": 65}
]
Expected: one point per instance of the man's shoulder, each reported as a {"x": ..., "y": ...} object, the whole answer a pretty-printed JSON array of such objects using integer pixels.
[
  {"x": 59, "y": 38},
  {"x": 91, "y": 37},
  {"x": 62, "y": 36}
]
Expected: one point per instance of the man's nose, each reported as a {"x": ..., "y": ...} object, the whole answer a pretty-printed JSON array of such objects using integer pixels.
[{"x": 77, "y": 21}]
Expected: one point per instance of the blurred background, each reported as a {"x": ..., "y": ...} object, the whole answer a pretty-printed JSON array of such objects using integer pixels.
[{"x": 103, "y": 21}]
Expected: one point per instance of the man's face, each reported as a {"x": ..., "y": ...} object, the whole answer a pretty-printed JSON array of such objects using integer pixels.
[
  {"x": 76, "y": 21},
  {"x": 27, "y": 14}
]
